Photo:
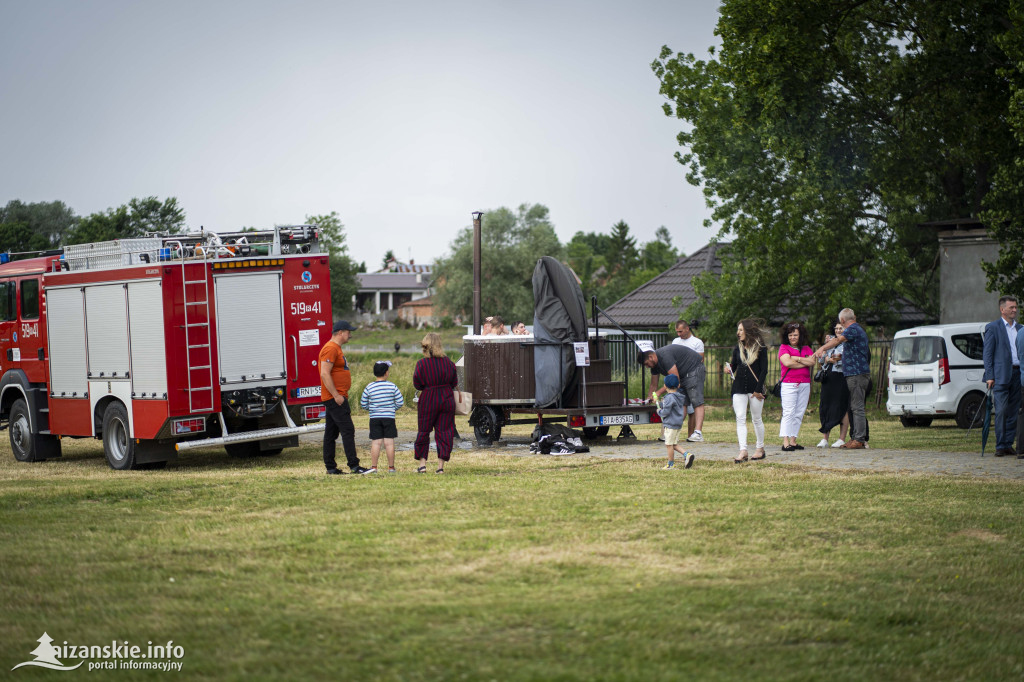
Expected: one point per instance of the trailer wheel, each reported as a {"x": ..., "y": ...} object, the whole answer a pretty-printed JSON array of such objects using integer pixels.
[
  {"x": 28, "y": 446},
  {"x": 592, "y": 432},
  {"x": 118, "y": 445},
  {"x": 486, "y": 425}
]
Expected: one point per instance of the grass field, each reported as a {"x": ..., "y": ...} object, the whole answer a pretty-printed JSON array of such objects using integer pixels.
[
  {"x": 514, "y": 568},
  {"x": 519, "y": 568}
]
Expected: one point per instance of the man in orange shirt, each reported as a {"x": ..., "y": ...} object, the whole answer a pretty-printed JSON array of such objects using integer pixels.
[{"x": 335, "y": 381}]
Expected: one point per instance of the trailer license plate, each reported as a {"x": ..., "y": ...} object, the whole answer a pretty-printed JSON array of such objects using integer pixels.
[
  {"x": 904, "y": 388},
  {"x": 309, "y": 392},
  {"x": 616, "y": 419}
]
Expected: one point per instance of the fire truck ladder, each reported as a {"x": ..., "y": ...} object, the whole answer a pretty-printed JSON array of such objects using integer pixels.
[{"x": 197, "y": 320}]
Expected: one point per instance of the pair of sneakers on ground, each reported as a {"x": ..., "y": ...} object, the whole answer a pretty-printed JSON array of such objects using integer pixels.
[
  {"x": 355, "y": 470},
  {"x": 838, "y": 444},
  {"x": 695, "y": 437}
]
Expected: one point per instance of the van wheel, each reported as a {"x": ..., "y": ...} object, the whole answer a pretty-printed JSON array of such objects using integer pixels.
[
  {"x": 911, "y": 422},
  {"x": 592, "y": 432},
  {"x": 118, "y": 445},
  {"x": 28, "y": 446},
  {"x": 971, "y": 411}
]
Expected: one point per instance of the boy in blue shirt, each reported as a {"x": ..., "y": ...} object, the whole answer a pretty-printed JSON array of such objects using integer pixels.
[
  {"x": 382, "y": 398},
  {"x": 672, "y": 411}
]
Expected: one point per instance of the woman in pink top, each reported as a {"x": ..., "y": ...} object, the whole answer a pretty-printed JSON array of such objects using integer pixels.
[{"x": 796, "y": 359}]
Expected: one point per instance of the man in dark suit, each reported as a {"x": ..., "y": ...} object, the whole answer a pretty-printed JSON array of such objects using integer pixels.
[{"x": 1002, "y": 373}]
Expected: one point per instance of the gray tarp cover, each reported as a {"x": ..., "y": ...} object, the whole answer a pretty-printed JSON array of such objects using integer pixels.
[{"x": 559, "y": 315}]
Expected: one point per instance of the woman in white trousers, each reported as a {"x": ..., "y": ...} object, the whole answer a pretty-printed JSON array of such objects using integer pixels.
[
  {"x": 748, "y": 367},
  {"x": 796, "y": 359}
]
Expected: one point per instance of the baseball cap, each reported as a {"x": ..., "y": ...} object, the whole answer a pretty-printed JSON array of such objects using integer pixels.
[
  {"x": 672, "y": 381},
  {"x": 342, "y": 325},
  {"x": 381, "y": 367}
]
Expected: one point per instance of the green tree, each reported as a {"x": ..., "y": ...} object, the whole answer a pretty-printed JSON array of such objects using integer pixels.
[
  {"x": 823, "y": 133},
  {"x": 511, "y": 244},
  {"x": 344, "y": 284},
  {"x": 388, "y": 257},
  {"x": 131, "y": 220},
  {"x": 655, "y": 257},
  {"x": 585, "y": 254},
  {"x": 1005, "y": 203},
  {"x": 622, "y": 252},
  {"x": 34, "y": 227}
]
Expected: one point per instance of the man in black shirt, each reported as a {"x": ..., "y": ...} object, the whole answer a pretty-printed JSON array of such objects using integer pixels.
[{"x": 686, "y": 364}]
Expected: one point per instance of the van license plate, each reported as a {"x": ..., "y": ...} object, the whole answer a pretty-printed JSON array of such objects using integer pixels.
[
  {"x": 616, "y": 419},
  {"x": 904, "y": 388}
]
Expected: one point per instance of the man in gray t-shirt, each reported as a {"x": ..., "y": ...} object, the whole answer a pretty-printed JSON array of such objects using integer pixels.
[{"x": 686, "y": 364}]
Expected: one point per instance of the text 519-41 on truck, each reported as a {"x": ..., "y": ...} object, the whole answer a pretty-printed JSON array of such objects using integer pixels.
[{"x": 165, "y": 343}]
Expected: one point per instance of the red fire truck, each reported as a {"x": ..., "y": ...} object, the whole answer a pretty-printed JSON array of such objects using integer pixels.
[{"x": 165, "y": 343}]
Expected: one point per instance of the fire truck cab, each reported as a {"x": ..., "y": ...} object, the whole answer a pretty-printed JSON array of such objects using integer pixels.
[{"x": 165, "y": 343}]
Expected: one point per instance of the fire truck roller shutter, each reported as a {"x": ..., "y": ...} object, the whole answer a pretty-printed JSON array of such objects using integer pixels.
[
  {"x": 146, "y": 328},
  {"x": 250, "y": 329},
  {"x": 65, "y": 320},
  {"x": 106, "y": 324}
]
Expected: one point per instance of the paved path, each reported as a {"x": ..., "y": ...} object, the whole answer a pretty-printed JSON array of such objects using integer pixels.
[{"x": 903, "y": 461}]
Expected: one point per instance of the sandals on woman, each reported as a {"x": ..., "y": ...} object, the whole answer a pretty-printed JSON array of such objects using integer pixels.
[
  {"x": 758, "y": 456},
  {"x": 742, "y": 458},
  {"x": 422, "y": 469},
  {"x": 439, "y": 471}
]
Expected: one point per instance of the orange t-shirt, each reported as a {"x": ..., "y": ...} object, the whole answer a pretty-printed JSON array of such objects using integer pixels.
[{"x": 342, "y": 378}]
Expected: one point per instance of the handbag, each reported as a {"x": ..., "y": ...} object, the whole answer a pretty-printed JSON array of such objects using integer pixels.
[
  {"x": 777, "y": 388},
  {"x": 824, "y": 374},
  {"x": 463, "y": 402}
]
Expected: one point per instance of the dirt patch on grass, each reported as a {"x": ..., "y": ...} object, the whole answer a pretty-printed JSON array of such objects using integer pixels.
[
  {"x": 630, "y": 555},
  {"x": 979, "y": 534}
]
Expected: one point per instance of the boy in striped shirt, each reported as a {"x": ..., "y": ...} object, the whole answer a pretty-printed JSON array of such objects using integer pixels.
[{"x": 382, "y": 398}]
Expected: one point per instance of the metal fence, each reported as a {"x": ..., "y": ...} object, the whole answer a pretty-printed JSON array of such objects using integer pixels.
[
  {"x": 718, "y": 384},
  {"x": 622, "y": 352}
]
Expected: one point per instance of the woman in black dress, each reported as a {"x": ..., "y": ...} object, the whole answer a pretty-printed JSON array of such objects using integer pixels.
[{"x": 834, "y": 408}]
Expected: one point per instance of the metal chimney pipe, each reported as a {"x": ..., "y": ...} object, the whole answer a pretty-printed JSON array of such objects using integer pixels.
[{"x": 477, "y": 216}]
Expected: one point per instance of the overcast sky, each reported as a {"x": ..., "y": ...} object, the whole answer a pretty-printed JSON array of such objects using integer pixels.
[{"x": 404, "y": 117}]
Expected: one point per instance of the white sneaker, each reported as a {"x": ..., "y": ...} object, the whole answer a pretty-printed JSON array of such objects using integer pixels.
[
  {"x": 823, "y": 443},
  {"x": 839, "y": 443},
  {"x": 696, "y": 437}
]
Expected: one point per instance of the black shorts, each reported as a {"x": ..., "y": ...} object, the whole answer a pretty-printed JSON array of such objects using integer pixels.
[{"x": 383, "y": 428}]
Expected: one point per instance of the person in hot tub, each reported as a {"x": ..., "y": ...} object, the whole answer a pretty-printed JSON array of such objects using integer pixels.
[{"x": 498, "y": 326}]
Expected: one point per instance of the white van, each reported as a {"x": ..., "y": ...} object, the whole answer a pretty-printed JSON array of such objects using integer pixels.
[{"x": 935, "y": 372}]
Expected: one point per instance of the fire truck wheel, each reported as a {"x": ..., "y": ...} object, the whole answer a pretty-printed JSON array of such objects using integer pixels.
[
  {"x": 28, "y": 446},
  {"x": 118, "y": 445}
]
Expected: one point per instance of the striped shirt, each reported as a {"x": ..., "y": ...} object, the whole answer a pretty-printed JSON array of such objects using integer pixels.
[{"x": 381, "y": 398}]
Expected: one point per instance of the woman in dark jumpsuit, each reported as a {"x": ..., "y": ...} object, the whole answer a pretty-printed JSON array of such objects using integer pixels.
[{"x": 436, "y": 379}]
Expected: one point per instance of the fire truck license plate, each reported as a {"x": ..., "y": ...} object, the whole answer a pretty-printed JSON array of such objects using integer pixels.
[
  {"x": 309, "y": 392},
  {"x": 617, "y": 419}
]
